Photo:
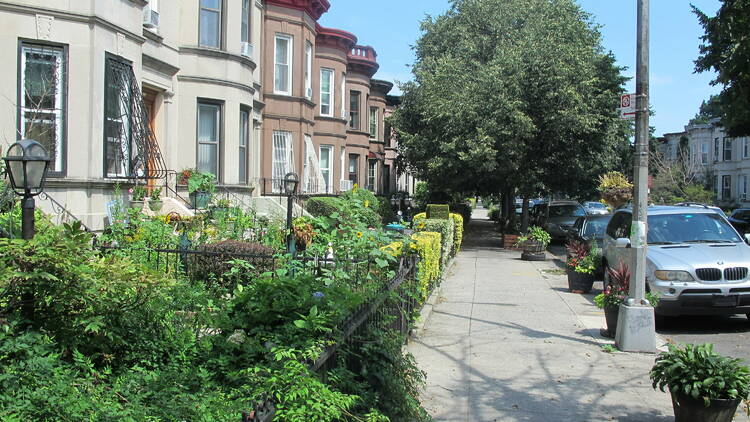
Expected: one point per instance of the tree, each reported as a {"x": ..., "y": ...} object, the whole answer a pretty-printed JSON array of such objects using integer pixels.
[
  {"x": 512, "y": 96},
  {"x": 680, "y": 179},
  {"x": 710, "y": 109},
  {"x": 726, "y": 50}
]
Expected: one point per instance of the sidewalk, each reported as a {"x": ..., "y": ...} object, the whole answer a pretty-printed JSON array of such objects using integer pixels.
[{"x": 507, "y": 342}]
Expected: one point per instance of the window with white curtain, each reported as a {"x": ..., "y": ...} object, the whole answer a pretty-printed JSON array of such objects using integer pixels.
[
  {"x": 373, "y": 123},
  {"x": 210, "y": 23},
  {"x": 283, "y": 161},
  {"x": 372, "y": 175},
  {"x": 283, "y": 64},
  {"x": 209, "y": 137},
  {"x": 244, "y": 141},
  {"x": 326, "y": 92}
]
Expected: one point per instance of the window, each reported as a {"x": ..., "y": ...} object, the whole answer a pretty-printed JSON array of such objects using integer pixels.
[
  {"x": 283, "y": 65},
  {"x": 743, "y": 188},
  {"x": 283, "y": 161},
  {"x": 726, "y": 187},
  {"x": 386, "y": 179},
  {"x": 343, "y": 95},
  {"x": 209, "y": 135},
  {"x": 372, "y": 173},
  {"x": 326, "y": 166},
  {"x": 244, "y": 142},
  {"x": 745, "y": 148},
  {"x": 353, "y": 167},
  {"x": 727, "y": 149},
  {"x": 245, "y": 22},
  {"x": 717, "y": 151},
  {"x": 704, "y": 153},
  {"x": 308, "y": 70},
  {"x": 343, "y": 163},
  {"x": 354, "y": 109},
  {"x": 326, "y": 92},
  {"x": 43, "y": 84},
  {"x": 118, "y": 118},
  {"x": 210, "y": 23},
  {"x": 373, "y": 123}
]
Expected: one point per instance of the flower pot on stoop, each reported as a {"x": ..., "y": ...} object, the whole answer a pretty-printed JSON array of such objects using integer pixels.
[
  {"x": 136, "y": 204},
  {"x": 579, "y": 282},
  {"x": 688, "y": 409},
  {"x": 155, "y": 205}
]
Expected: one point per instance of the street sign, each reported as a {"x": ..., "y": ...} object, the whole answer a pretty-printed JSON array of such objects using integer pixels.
[{"x": 627, "y": 106}]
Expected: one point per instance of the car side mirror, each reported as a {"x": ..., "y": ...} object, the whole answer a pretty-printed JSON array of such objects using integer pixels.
[
  {"x": 747, "y": 238},
  {"x": 622, "y": 242}
]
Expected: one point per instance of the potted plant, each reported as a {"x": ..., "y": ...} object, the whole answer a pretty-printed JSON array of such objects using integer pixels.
[
  {"x": 615, "y": 293},
  {"x": 137, "y": 196},
  {"x": 200, "y": 187},
  {"x": 155, "y": 202},
  {"x": 704, "y": 385},
  {"x": 615, "y": 189},
  {"x": 582, "y": 262},
  {"x": 534, "y": 244}
]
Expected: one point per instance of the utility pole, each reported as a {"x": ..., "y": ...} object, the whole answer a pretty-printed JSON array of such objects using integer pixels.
[{"x": 636, "y": 325}]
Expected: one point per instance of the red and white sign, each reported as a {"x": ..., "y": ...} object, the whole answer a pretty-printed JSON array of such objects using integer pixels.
[{"x": 627, "y": 106}]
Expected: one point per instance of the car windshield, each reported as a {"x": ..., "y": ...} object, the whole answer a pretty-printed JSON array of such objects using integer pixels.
[
  {"x": 566, "y": 211},
  {"x": 597, "y": 205},
  {"x": 595, "y": 228},
  {"x": 690, "y": 228},
  {"x": 742, "y": 215}
]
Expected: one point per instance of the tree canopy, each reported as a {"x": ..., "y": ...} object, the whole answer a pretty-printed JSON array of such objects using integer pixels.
[
  {"x": 512, "y": 93},
  {"x": 726, "y": 49},
  {"x": 710, "y": 109}
]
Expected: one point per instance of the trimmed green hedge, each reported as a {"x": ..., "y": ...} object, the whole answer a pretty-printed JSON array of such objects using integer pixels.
[
  {"x": 427, "y": 245},
  {"x": 458, "y": 232},
  {"x": 438, "y": 211},
  {"x": 445, "y": 228},
  {"x": 322, "y": 207}
]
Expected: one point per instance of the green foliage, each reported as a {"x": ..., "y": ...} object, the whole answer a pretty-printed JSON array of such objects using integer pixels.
[
  {"x": 198, "y": 181},
  {"x": 536, "y": 234},
  {"x": 322, "y": 206},
  {"x": 608, "y": 348},
  {"x": 446, "y": 229},
  {"x": 463, "y": 209},
  {"x": 421, "y": 195},
  {"x": 385, "y": 210},
  {"x": 458, "y": 232},
  {"x": 725, "y": 50},
  {"x": 700, "y": 373},
  {"x": 438, "y": 211},
  {"x": 428, "y": 246},
  {"x": 216, "y": 267},
  {"x": 615, "y": 189},
  {"x": 138, "y": 193},
  {"x": 708, "y": 111}
]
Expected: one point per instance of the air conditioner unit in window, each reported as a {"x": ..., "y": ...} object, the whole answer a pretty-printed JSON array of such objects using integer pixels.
[
  {"x": 150, "y": 17},
  {"x": 246, "y": 49}
]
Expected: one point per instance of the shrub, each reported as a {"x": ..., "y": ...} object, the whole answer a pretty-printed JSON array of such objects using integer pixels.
[
  {"x": 323, "y": 207},
  {"x": 385, "y": 210},
  {"x": 418, "y": 217},
  {"x": 438, "y": 211},
  {"x": 214, "y": 268},
  {"x": 458, "y": 232},
  {"x": 462, "y": 208},
  {"x": 494, "y": 213},
  {"x": 445, "y": 228},
  {"x": 427, "y": 245}
]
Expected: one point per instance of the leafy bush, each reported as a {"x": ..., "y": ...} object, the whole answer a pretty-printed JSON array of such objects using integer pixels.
[
  {"x": 418, "y": 218},
  {"x": 428, "y": 246},
  {"x": 458, "y": 232},
  {"x": 438, "y": 211},
  {"x": 385, "y": 210},
  {"x": 445, "y": 228},
  {"x": 215, "y": 266},
  {"x": 323, "y": 206},
  {"x": 463, "y": 209},
  {"x": 700, "y": 373}
]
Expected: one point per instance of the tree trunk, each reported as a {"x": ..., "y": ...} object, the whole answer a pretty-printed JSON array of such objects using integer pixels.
[{"x": 525, "y": 214}]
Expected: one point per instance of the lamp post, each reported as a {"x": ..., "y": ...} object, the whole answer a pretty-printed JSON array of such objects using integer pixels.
[
  {"x": 27, "y": 163},
  {"x": 291, "y": 180}
]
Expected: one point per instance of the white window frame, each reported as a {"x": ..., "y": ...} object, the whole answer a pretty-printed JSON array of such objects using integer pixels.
[
  {"x": 282, "y": 158},
  {"x": 326, "y": 171},
  {"x": 343, "y": 165},
  {"x": 331, "y": 89},
  {"x": 743, "y": 188},
  {"x": 58, "y": 112},
  {"x": 244, "y": 145},
  {"x": 245, "y": 21},
  {"x": 308, "y": 70},
  {"x": 727, "y": 149},
  {"x": 217, "y": 135},
  {"x": 717, "y": 150},
  {"x": 343, "y": 95},
  {"x": 372, "y": 175},
  {"x": 355, "y": 124},
  {"x": 289, "y": 64},
  {"x": 704, "y": 153},
  {"x": 726, "y": 183},
  {"x": 219, "y": 28},
  {"x": 373, "y": 122}
]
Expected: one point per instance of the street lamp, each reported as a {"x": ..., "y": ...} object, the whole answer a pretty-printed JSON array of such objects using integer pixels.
[
  {"x": 291, "y": 180},
  {"x": 27, "y": 162}
]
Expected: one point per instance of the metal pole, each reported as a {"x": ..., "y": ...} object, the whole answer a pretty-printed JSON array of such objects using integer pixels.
[
  {"x": 290, "y": 237},
  {"x": 635, "y": 328},
  {"x": 27, "y": 217}
]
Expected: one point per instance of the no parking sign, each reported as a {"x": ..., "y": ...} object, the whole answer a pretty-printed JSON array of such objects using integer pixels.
[{"x": 627, "y": 106}]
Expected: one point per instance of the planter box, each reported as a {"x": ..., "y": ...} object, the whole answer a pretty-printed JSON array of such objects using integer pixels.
[
  {"x": 579, "y": 282},
  {"x": 688, "y": 409},
  {"x": 509, "y": 241}
]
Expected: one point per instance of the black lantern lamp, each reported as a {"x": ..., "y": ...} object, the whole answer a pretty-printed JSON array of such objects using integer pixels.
[
  {"x": 291, "y": 180},
  {"x": 27, "y": 163}
]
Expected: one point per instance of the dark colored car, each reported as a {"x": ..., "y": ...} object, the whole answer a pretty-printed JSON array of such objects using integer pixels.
[
  {"x": 740, "y": 220},
  {"x": 558, "y": 217}
]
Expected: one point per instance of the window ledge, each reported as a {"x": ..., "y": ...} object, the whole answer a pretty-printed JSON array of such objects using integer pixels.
[
  {"x": 153, "y": 36},
  {"x": 331, "y": 119},
  {"x": 218, "y": 53}
]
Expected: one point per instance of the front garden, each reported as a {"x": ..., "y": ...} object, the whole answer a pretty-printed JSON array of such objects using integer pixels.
[{"x": 203, "y": 318}]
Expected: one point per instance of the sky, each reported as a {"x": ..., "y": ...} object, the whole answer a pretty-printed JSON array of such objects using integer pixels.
[{"x": 392, "y": 28}]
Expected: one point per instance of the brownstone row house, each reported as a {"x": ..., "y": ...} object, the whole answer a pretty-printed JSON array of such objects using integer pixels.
[{"x": 249, "y": 90}]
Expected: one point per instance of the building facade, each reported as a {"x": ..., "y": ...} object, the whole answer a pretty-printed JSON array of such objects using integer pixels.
[
  {"x": 123, "y": 91},
  {"x": 719, "y": 161}
]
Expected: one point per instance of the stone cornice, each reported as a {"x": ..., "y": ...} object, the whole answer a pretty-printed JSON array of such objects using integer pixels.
[
  {"x": 220, "y": 54},
  {"x": 314, "y": 8},
  {"x": 214, "y": 81}
]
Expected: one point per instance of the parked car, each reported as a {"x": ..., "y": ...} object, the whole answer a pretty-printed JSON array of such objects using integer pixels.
[
  {"x": 595, "y": 208},
  {"x": 696, "y": 262},
  {"x": 557, "y": 217},
  {"x": 699, "y": 205},
  {"x": 590, "y": 230},
  {"x": 740, "y": 220}
]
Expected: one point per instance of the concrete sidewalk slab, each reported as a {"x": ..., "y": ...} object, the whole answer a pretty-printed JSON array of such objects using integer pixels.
[{"x": 506, "y": 342}]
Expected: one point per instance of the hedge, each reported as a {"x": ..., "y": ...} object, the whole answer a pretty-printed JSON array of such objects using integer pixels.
[
  {"x": 427, "y": 245},
  {"x": 458, "y": 232},
  {"x": 418, "y": 217},
  {"x": 323, "y": 207},
  {"x": 445, "y": 228},
  {"x": 438, "y": 211}
]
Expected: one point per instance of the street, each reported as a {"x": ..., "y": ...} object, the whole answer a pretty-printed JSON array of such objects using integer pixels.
[{"x": 729, "y": 334}]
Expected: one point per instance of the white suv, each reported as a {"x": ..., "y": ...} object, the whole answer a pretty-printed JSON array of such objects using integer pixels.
[{"x": 696, "y": 261}]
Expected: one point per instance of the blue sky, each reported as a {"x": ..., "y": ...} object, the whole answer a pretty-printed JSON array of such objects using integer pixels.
[{"x": 392, "y": 27}]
